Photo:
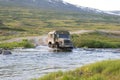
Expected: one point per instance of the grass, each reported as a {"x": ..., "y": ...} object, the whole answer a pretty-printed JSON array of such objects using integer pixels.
[
  {"x": 23, "y": 44},
  {"x": 17, "y": 21},
  {"x": 105, "y": 70},
  {"x": 96, "y": 40}
]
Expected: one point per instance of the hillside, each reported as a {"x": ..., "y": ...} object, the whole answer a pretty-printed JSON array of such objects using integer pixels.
[
  {"x": 29, "y": 18},
  {"x": 58, "y": 5}
]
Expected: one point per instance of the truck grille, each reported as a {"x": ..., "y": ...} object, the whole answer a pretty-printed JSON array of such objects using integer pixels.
[{"x": 67, "y": 42}]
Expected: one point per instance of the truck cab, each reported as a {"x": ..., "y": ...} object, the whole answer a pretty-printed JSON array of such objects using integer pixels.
[{"x": 59, "y": 39}]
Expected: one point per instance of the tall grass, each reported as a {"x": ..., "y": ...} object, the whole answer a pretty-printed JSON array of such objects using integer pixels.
[
  {"x": 23, "y": 44},
  {"x": 96, "y": 40},
  {"x": 105, "y": 70}
]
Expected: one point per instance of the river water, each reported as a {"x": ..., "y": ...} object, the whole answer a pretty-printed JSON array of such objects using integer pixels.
[{"x": 25, "y": 64}]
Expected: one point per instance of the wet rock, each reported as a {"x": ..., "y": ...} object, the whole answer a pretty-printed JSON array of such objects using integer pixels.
[
  {"x": 5, "y": 52},
  {"x": 0, "y": 51}
]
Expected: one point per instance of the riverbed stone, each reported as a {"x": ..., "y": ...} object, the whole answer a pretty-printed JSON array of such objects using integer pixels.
[
  {"x": 0, "y": 51},
  {"x": 6, "y": 52}
]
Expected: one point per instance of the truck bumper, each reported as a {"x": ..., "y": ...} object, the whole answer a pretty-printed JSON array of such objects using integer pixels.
[{"x": 66, "y": 47}]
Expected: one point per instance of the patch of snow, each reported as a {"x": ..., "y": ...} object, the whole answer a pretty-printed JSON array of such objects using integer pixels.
[{"x": 112, "y": 13}]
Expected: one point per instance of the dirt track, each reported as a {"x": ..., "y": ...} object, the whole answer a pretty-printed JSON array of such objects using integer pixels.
[{"x": 41, "y": 40}]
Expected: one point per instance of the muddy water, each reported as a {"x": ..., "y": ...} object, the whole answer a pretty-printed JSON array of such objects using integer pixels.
[{"x": 25, "y": 64}]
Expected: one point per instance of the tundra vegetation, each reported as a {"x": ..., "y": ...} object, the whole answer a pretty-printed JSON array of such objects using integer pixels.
[
  {"x": 20, "y": 22},
  {"x": 22, "y": 44},
  {"x": 105, "y": 70},
  {"x": 97, "y": 40},
  {"x": 23, "y": 21}
]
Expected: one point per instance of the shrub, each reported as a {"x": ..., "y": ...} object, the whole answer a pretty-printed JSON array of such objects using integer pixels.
[
  {"x": 23, "y": 44},
  {"x": 95, "y": 40}
]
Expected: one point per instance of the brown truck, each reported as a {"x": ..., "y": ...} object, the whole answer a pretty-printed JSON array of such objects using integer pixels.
[{"x": 59, "y": 39}]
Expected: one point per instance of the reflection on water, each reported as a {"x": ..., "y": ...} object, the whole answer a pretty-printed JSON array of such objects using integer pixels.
[{"x": 25, "y": 64}]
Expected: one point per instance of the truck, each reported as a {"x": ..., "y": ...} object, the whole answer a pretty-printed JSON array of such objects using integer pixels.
[{"x": 59, "y": 39}]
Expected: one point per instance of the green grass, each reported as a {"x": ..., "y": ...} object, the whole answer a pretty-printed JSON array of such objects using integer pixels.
[
  {"x": 105, "y": 70},
  {"x": 96, "y": 40},
  {"x": 23, "y": 44},
  {"x": 18, "y": 21}
]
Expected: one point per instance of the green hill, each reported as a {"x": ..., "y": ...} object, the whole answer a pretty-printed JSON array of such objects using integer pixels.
[{"x": 21, "y": 20}]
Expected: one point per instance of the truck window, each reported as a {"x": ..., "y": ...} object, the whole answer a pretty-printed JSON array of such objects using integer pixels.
[{"x": 63, "y": 36}]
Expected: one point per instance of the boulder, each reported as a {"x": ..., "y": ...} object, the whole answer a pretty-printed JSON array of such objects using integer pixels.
[
  {"x": 5, "y": 52},
  {"x": 0, "y": 51}
]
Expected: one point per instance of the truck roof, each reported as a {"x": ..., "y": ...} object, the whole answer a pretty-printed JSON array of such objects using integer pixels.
[{"x": 59, "y": 32}]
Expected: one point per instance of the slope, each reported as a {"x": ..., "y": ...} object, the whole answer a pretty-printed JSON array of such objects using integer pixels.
[{"x": 23, "y": 18}]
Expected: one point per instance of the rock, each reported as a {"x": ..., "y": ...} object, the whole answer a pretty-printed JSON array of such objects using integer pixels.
[
  {"x": 5, "y": 52},
  {"x": 0, "y": 51}
]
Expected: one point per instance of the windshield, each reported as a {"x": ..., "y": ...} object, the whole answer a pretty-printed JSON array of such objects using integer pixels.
[{"x": 63, "y": 36}]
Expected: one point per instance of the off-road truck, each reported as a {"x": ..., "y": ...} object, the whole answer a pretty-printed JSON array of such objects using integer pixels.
[{"x": 59, "y": 39}]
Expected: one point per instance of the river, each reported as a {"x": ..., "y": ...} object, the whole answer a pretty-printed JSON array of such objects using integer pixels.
[{"x": 25, "y": 64}]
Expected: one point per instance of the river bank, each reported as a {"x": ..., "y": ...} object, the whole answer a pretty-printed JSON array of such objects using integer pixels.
[
  {"x": 105, "y": 70},
  {"x": 20, "y": 44},
  {"x": 97, "y": 39}
]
